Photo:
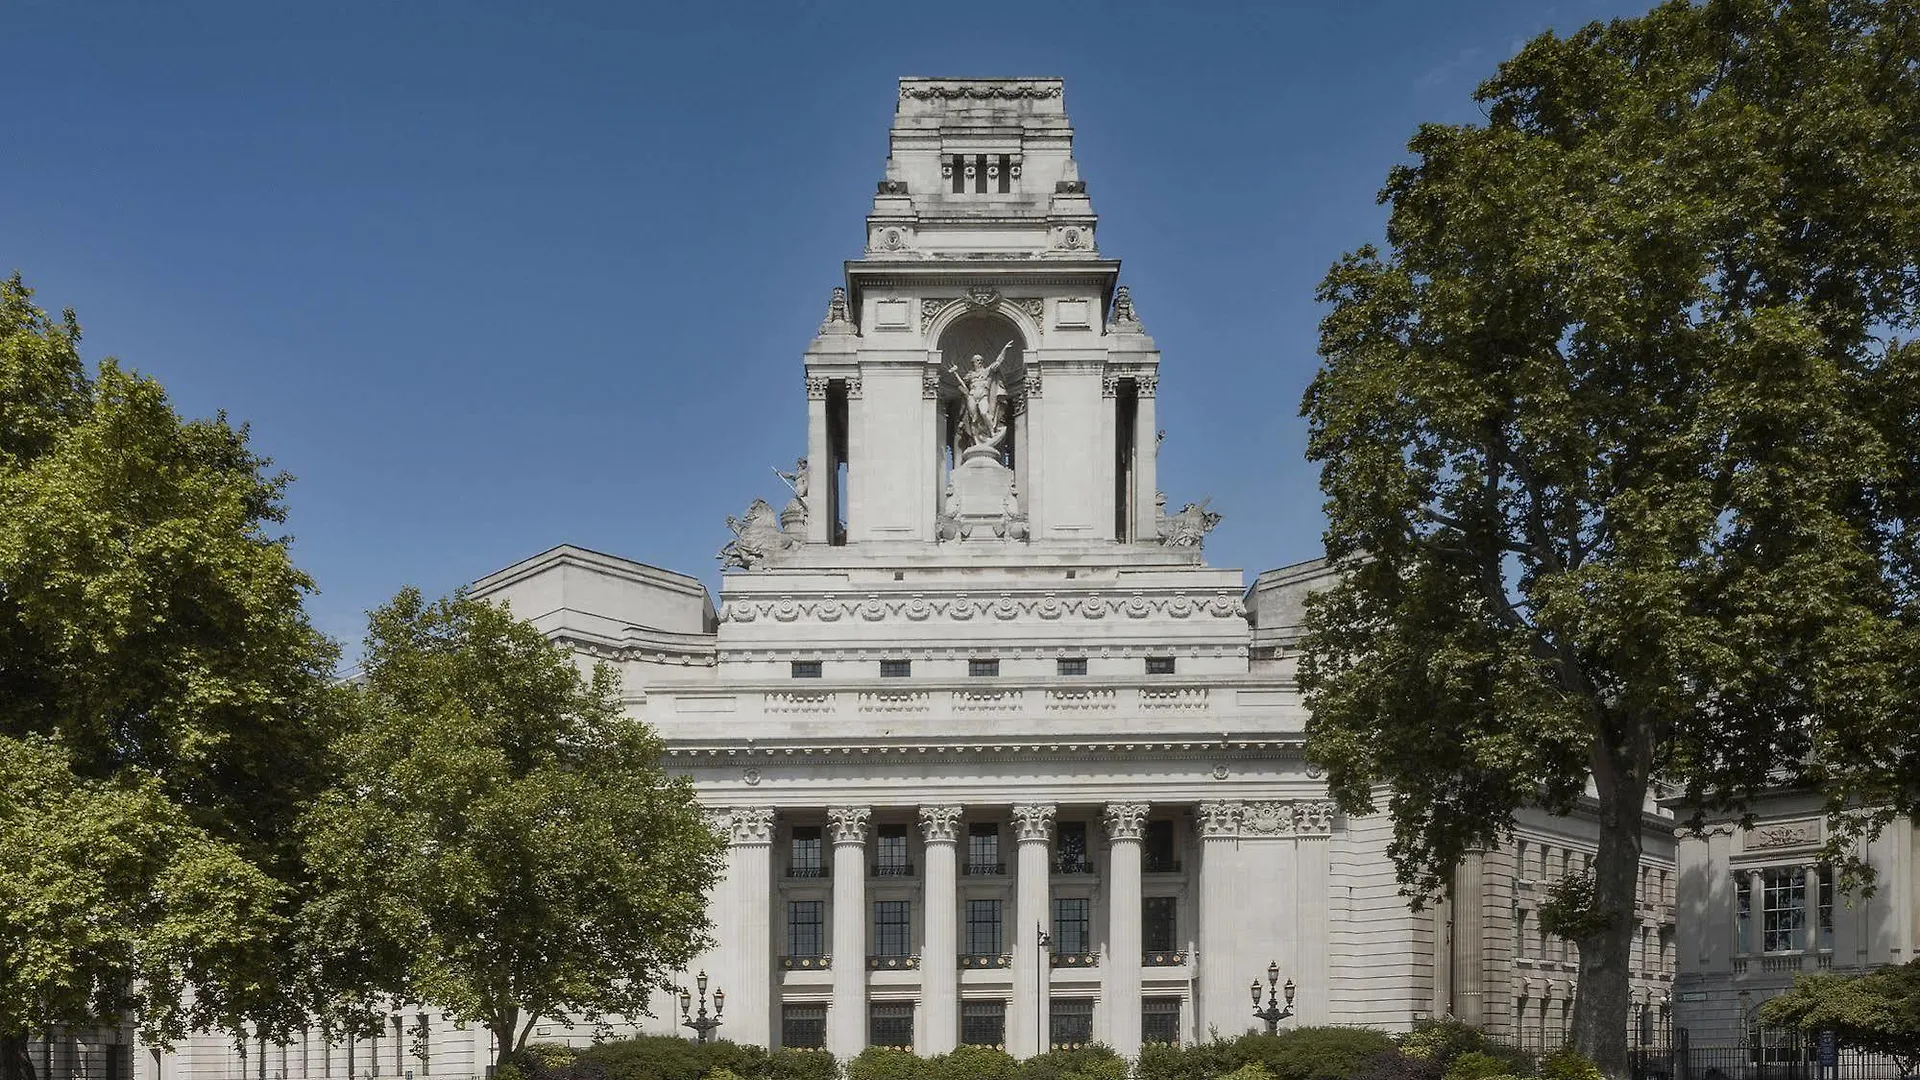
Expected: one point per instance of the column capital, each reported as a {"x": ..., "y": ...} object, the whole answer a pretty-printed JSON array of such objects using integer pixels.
[
  {"x": 1125, "y": 820},
  {"x": 742, "y": 824},
  {"x": 1316, "y": 817},
  {"x": 1219, "y": 818},
  {"x": 940, "y": 824},
  {"x": 1033, "y": 822},
  {"x": 848, "y": 823}
]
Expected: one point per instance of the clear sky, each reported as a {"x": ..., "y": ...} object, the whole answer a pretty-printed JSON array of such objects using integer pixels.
[{"x": 490, "y": 277}]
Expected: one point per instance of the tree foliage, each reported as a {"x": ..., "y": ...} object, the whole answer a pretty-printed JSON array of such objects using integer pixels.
[
  {"x": 1617, "y": 445},
  {"x": 163, "y": 702},
  {"x": 1877, "y": 1012},
  {"x": 502, "y": 841}
]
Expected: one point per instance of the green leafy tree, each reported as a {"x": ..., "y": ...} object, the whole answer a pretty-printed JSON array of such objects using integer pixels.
[
  {"x": 1612, "y": 441},
  {"x": 1877, "y": 1012},
  {"x": 159, "y": 682},
  {"x": 502, "y": 841}
]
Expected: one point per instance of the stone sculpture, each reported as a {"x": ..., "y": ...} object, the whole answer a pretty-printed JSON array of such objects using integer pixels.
[
  {"x": 1189, "y": 527},
  {"x": 757, "y": 537},
  {"x": 794, "y": 517},
  {"x": 986, "y": 394}
]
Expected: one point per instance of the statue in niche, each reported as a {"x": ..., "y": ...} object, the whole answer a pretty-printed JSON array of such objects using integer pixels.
[
  {"x": 757, "y": 537},
  {"x": 986, "y": 396}
]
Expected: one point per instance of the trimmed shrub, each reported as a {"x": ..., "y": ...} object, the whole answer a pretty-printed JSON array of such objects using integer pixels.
[
  {"x": 1568, "y": 1064},
  {"x": 1202, "y": 1062},
  {"x": 1395, "y": 1065},
  {"x": 1094, "y": 1062},
  {"x": 880, "y": 1063},
  {"x": 975, "y": 1063},
  {"x": 790, "y": 1064},
  {"x": 1252, "y": 1070},
  {"x": 724, "y": 1073},
  {"x": 1474, "y": 1065},
  {"x": 1440, "y": 1041},
  {"x": 1313, "y": 1053}
]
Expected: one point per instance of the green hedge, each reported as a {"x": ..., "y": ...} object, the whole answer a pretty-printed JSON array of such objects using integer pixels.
[{"x": 665, "y": 1057}]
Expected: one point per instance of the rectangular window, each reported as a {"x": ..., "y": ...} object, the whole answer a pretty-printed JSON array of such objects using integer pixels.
[
  {"x": 890, "y": 1024},
  {"x": 1826, "y": 910},
  {"x": 983, "y": 848},
  {"x": 1072, "y": 1022},
  {"x": 983, "y": 928},
  {"x": 1070, "y": 851},
  {"x": 806, "y": 669},
  {"x": 1159, "y": 854},
  {"x": 1072, "y": 925},
  {"x": 805, "y": 856},
  {"x": 1159, "y": 932},
  {"x": 1160, "y": 1021},
  {"x": 896, "y": 669},
  {"x": 1070, "y": 665},
  {"x": 1519, "y": 933},
  {"x": 890, "y": 852},
  {"x": 983, "y": 1023},
  {"x": 893, "y": 928},
  {"x": 805, "y": 927},
  {"x": 1782, "y": 910},
  {"x": 1159, "y": 665},
  {"x": 983, "y": 668},
  {"x": 803, "y": 1027}
]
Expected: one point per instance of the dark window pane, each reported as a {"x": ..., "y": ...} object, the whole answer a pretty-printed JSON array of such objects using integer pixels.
[
  {"x": 890, "y": 1024},
  {"x": 890, "y": 852},
  {"x": 1159, "y": 665},
  {"x": 1070, "y": 856},
  {"x": 983, "y": 667},
  {"x": 983, "y": 848},
  {"x": 983, "y": 1023},
  {"x": 1158, "y": 931},
  {"x": 1072, "y": 928},
  {"x": 1160, "y": 855},
  {"x": 983, "y": 928},
  {"x": 1072, "y": 1022},
  {"x": 1071, "y": 665},
  {"x": 1160, "y": 1020},
  {"x": 806, "y": 669},
  {"x": 803, "y": 1027},
  {"x": 807, "y": 857},
  {"x": 896, "y": 669},
  {"x": 892, "y": 928},
  {"x": 805, "y": 922}
]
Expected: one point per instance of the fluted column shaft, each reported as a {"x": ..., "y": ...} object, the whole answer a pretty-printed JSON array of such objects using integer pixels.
[
  {"x": 847, "y": 1016},
  {"x": 1810, "y": 896},
  {"x": 743, "y": 906},
  {"x": 1120, "y": 968},
  {"x": 938, "y": 1028},
  {"x": 1032, "y": 967},
  {"x": 1222, "y": 996},
  {"x": 1756, "y": 913}
]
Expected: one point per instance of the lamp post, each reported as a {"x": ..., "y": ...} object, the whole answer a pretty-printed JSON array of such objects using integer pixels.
[
  {"x": 701, "y": 1023},
  {"x": 1042, "y": 982},
  {"x": 1274, "y": 1012}
]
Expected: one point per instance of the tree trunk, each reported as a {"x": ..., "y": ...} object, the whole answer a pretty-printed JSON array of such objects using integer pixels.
[
  {"x": 1605, "y": 989},
  {"x": 504, "y": 1026},
  {"x": 16, "y": 1057}
]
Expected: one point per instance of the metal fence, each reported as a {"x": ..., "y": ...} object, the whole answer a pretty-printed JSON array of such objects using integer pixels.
[{"x": 1776, "y": 1057}]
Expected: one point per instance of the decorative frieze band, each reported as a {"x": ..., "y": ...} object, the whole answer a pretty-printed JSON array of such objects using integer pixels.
[
  {"x": 1006, "y": 607},
  {"x": 1265, "y": 818},
  {"x": 848, "y": 824},
  {"x": 1033, "y": 822},
  {"x": 742, "y": 824},
  {"x": 1125, "y": 820}
]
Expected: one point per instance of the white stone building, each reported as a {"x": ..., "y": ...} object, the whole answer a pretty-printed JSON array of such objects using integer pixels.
[{"x": 974, "y": 685}]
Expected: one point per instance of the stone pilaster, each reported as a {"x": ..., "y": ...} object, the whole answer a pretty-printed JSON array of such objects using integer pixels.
[
  {"x": 847, "y": 1016},
  {"x": 743, "y": 916},
  {"x": 938, "y": 1029},
  {"x": 1220, "y": 997},
  {"x": 1120, "y": 968},
  {"x": 1032, "y": 966}
]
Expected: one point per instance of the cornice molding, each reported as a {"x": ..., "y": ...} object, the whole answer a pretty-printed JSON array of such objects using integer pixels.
[
  {"x": 1244, "y": 748},
  {"x": 1008, "y": 606}
]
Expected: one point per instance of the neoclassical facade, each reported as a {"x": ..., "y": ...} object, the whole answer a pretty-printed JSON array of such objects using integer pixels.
[{"x": 1001, "y": 758}]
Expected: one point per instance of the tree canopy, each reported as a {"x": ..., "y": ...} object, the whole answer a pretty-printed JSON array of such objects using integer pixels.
[
  {"x": 502, "y": 841},
  {"x": 163, "y": 701},
  {"x": 1615, "y": 436},
  {"x": 1877, "y": 1012}
]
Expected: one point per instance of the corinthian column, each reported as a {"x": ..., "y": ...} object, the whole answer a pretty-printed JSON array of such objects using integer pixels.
[
  {"x": 1120, "y": 969},
  {"x": 743, "y": 910},
  {"x": 847, "y": 1016},
  {"x": 939, "y": 1028},
  {"x": 1221, "y": 995},
  {"x": 1032, "y": 968}
]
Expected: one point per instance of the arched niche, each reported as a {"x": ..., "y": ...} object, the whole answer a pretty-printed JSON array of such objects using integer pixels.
[{"x": 994, "y": 338}]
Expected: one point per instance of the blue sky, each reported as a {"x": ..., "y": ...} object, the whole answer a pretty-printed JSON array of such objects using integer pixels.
[{"x": 489, "y": 277}]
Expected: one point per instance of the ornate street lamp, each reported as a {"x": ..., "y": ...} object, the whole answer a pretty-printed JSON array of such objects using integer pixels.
[
  {"x": 701, "y": 1023},
  {"x": 1273, "y": 1013}
]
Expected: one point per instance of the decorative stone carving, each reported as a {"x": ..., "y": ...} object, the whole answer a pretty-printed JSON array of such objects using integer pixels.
[
  {"x": 848, "y": 824},
  {"x": 1125, "y": 820},
  {"x": 1267, "y": 818},
  {"x": 1011, "y": 526},
  {"x": 837, "y": 309},
  {"x": 1124, "y": 315},
  {"x": 929, "y": 307},
  {"x": 1218, "y": 819},
  {"x": 940, "y": 824},
  {"x": 986, "y": 396},
  {"x": 719, "y": 819},
  {"x": 983, "y": 296},
  {"x": 757, "y": 538},
  {"x": 1784, "y": 834},
  {"x": 817, "y": 387},
  {"x": 984, "y": 91},
  {"x": 1145, "y": 385},
  {"x": 751, "y": 824},
  {"x": 930, "y": 384},
  {"x": 1189, "y": 527},
  {"x": 1033, "y": 385},
  {"x": 891, "y": 187},
  {"x": 1034, "y": 306},
  {"x": 1109, "y": 385},
  {"x": 853, "y": 388},
  {"x": 1033, "y": 822},
  {"x": 1316, "y": 818},
  {"x": 794, "y": 518},
  {"x": 1041, "y": 606}
]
